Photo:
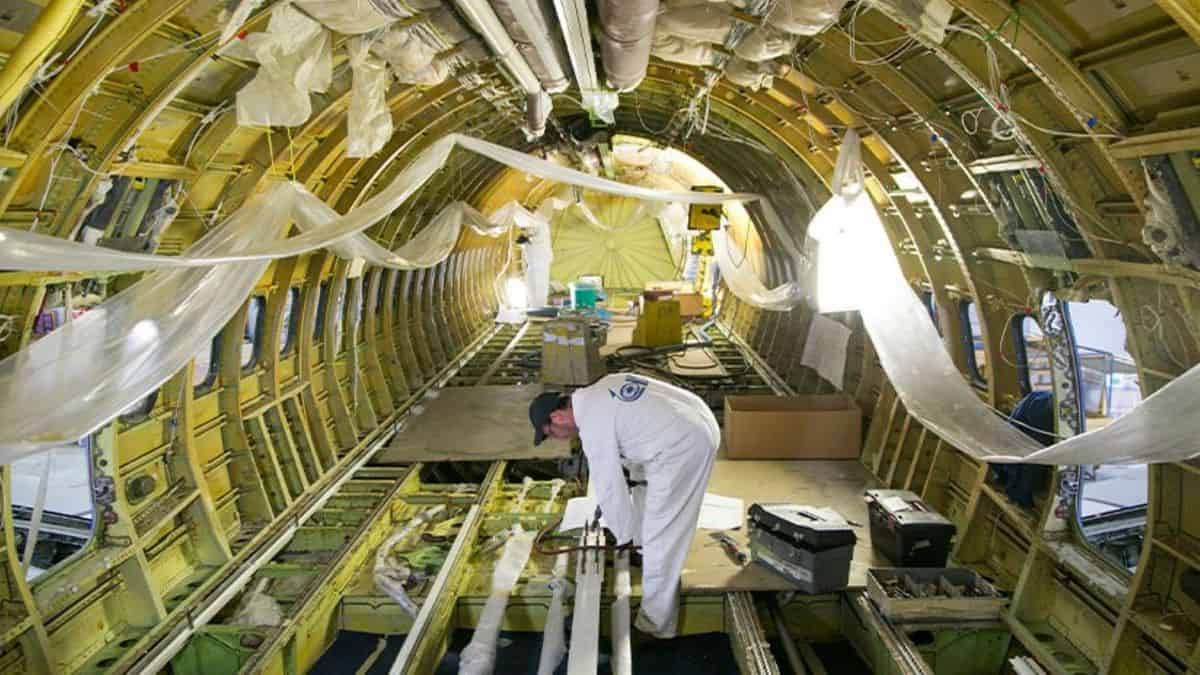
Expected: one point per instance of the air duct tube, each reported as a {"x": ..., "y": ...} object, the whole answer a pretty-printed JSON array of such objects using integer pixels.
[
  {"x": 527, "y": 25},
  {"x": 626, "y": 34},
  {"x": 537, "y": 111}
]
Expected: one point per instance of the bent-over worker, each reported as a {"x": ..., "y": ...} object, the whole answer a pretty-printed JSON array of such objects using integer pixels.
[{"x": 664, "y": 435}]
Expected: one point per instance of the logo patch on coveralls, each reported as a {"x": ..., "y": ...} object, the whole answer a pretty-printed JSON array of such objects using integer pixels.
[{"x": 630, "y": 390}]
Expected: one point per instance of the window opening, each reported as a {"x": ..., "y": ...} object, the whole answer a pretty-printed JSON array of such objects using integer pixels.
[
  {"x": 204, "y": 367},
  {"x": 252, "y": 331},
  {"x": 61, "y": 480},
  {"x": 291, "y": 316},
  {"x": 973, "y": 336},
  {"x": 1111, "y": 502},
  {"x": 1033, "y": 356},
  {"x": 319, "y": 319},
  {"x": 930, "y": 302},
  {"x": 339, "y": 313}
]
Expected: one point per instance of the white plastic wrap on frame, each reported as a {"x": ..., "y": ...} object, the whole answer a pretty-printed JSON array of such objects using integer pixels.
[
  {"x": 295, "y": 58},
  {"x": 479, "y": 656},
  {"x": 805, "y": 17},
  {"x": 766, "y": 43},
  {"x": 412, "y": 53},
  {"x": 369, "y": 121},
  {"x": 352, "y": 17},
  {"x": 706, "y": 23},
  {"x": 679, "y": 50}
]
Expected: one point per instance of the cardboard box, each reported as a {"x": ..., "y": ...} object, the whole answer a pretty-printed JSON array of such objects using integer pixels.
[{"x": 792, "y": 427}]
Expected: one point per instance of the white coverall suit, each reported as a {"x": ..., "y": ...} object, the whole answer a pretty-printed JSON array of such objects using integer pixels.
[
  {"x": 538, "y": 255},
  {"x": 669, "y": 436}
]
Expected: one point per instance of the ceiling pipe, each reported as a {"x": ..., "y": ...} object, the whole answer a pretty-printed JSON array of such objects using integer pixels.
[
  {"x": 573, "y": 19},
  {"x": 626, "y": 34},
  {"x": 484, "y": 19},
  {"x": 26, "y": 60},
  {"x": 527, "y": 24}
]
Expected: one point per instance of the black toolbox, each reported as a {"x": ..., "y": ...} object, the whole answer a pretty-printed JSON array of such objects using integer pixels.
[
  {"x": 811, "y": 547},
  {"x": 906, "y": 531}
]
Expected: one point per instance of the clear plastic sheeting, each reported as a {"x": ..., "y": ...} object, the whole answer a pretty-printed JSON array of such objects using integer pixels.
[
  {"x": 295, "y": 58},
  {"x": 354, "y": 17},
  {"x": 479, "y": 656},
  {"x": 1163, "y": 428},
  {"x": 72, "y": 381},
  {"x": 369, "y": 122},
  {"x": 805, "y": 17},
  {"x": 746, "y": 284}
]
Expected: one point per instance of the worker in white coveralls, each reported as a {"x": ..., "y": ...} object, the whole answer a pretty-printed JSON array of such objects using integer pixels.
[
  {"x": 661, "y": 433},
  {"x": 537, "y": 253}
]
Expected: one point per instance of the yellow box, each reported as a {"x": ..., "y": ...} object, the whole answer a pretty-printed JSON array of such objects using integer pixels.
[{"x": 659, "y": 325}]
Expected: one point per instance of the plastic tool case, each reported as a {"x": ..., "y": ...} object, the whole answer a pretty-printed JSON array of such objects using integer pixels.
[
  {"x": 906, "y": 530},
  {"x": 812, "y": 547}
]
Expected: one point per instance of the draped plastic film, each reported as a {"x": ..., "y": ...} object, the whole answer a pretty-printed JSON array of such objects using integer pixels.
[
  {"x": 72, "y": 381},
  {"x": 369, "y": 121},
  {"x": 295, "y": 58},
  {"x": 1163, "y": 428}
]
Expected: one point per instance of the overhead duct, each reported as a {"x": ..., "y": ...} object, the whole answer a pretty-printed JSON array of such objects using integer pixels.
[
  {"x": 484, "y": 19},
  {"x": 537, "y": 111},
  {"x": 626, "y": 35},
  {"x": 355, "y": 17},
  {"x": 530, "y": 29},
  {"x": 573, "y": 19}
]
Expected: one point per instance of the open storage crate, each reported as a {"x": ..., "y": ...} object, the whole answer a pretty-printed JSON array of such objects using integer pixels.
[{"x": 959, "y": 594}]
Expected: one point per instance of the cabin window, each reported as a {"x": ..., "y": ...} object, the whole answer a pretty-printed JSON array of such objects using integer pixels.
[
  {"x": 930, "y": 303},
  {"x": 67, "y": 508},
  {"x": 289, "y": 320},
  {"x": 252, "y": 332},
  {"x": 318, "y": 331},
  {"x": 339, "y": 314},
  {"x": 1033, "y": 356},
  {"x": 973, "y": 337},
  {"x": 1111, "y": 503},
  {"x": 204, "y": 367}
]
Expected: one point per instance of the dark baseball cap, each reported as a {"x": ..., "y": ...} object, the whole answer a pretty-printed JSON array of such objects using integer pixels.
[{"x": 539, "y": 413}]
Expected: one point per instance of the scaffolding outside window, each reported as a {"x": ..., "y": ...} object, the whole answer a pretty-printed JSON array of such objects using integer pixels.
[
  {"x": 973, "y": 337},
  {"x": 287, "y": 322},
  {"x": 1111, "y": 500},
  {"x": 52, "y": 497},
  {"x": 252, "y": 332}
]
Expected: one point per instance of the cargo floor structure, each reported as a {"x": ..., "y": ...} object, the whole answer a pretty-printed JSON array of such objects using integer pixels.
[{"x": 731, "y": 617}]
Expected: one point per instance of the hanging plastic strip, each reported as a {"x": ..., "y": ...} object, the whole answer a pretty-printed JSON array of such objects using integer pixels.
[
  {"x": 1163, "y": 428},
  {"x": 74, "y": 380}
]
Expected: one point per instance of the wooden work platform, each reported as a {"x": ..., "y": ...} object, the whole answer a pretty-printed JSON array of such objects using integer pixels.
[
  {"x": 482, "y": 423},
  {"x": 837, "y": 484}
]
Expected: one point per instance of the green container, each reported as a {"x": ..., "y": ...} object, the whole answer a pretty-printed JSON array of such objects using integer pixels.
[{"x": 584, "y": 297}]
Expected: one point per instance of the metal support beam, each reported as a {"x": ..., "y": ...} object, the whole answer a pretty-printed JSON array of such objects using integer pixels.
[
  {"x": 50, "y": 27},
  {"x": 750, "y": 646}
]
